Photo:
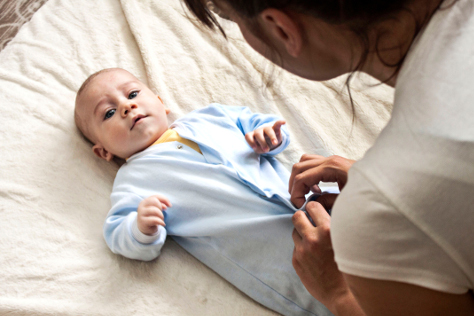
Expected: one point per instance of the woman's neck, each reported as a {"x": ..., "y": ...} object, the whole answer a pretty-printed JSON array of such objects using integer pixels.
[{"x": 399, "y": 34}]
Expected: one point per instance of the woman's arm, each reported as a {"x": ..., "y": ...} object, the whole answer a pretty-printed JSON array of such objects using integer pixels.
[
  {"x": 378, "y": 297},
  {"x": 313, "y": 260},
  {"x": 345, "y": 294}
]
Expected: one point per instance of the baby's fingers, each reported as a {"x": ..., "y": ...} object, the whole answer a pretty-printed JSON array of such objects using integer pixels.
[
  {"x": 278, "y": 124},
  {"x": 261, "y": 140},
  {"x": 275, "y": 133},
  {"x": 153, "y": 221},
  {"x": 270, "y": 136},
  {"x": 159, "y": 201},
  {"x": 249, "y": 137},
  {"x": 256, "y": 140},
  {"x": 164, "y": 200},
  {"x": 153, "y": 211}
]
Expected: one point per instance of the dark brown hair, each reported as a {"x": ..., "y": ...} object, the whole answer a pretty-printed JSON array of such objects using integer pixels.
[{"x": 360, "y": 16}]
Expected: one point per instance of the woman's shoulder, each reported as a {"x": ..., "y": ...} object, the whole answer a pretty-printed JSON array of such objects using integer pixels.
[{"x": 437, "y": 74}]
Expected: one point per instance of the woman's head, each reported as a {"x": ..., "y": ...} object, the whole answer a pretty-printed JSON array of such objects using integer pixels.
[
  {"x": 330, "y": 11},
  {"x": 321, "y": 39}
]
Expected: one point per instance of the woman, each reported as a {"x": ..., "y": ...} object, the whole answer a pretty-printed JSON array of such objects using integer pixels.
[{"x": 400, "y": 229}]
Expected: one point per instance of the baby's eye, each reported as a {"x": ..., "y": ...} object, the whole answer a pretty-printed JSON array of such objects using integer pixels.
[
  {"x": 133, "y": 94},
  {"x": 109, "y": 114}
]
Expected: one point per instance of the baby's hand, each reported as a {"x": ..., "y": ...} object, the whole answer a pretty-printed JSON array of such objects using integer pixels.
[
  {"x": 150, "y": 213},
  {"x": 265, "y": 138}
]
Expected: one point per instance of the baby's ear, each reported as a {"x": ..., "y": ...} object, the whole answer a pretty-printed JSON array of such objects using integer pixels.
[{"x": 101, "y": 152}]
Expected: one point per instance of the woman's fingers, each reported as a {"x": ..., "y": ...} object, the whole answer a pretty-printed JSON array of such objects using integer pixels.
[
  {"x": 327, "y": 200},
  {"x": 313, "y": 257},
  {"x": 306, "y": 162},
  {"x": 302, "y": 224},
  {"x": 303, "y": 182},
  {"x": 315, "y": 189},
  {"x": 311, "y": 170},
  {"x": 306, "y": 157},
  {"x": 318, "y": 214},
  {"x": 304, "y": 229}
]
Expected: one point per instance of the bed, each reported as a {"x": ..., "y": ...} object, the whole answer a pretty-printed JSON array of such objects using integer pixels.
[{"x": 54, "y": 193}]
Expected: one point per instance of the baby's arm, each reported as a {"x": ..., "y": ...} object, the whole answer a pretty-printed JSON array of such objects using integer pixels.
[
  {"x": 249, "y": 122},
  {"x": 121, "y": 228}
]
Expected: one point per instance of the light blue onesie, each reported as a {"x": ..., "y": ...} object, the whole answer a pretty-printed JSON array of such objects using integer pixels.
[{"x": 231, "y": 207}]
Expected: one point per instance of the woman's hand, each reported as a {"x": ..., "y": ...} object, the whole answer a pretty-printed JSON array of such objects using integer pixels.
[
  {"x": 311, "y": 170},
  {"x": 313, "y": 260}
]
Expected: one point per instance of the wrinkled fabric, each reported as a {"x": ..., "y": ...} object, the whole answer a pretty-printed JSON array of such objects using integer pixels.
[{"x": 230, "y": 206}]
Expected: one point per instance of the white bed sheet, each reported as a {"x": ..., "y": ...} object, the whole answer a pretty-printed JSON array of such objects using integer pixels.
[{"x": 54, "y": 194}]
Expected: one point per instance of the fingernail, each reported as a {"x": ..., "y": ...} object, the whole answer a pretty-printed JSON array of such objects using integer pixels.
[{"x": 274, "y": 141}]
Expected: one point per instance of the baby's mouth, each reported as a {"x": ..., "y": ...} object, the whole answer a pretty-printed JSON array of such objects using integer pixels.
[{"x": 136, "y": 119}]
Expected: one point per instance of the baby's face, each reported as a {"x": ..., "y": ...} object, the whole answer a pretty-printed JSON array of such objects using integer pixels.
[{"x": 122, "y": 115}]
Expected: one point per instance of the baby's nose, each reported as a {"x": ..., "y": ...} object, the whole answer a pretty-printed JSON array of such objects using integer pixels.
[
  {"x": 125, "y": 110},
  {"x": 127, "y": 107}
]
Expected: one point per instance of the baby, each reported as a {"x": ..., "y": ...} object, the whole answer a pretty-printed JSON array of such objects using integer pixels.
[{"x": 210, "y": 178}]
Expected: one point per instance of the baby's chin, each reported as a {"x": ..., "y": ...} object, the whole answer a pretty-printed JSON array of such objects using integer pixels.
[{"x": 145, "y": 142}]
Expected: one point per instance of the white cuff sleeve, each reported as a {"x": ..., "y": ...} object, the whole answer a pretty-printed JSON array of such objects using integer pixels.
[{"x": 141, "y": 237}]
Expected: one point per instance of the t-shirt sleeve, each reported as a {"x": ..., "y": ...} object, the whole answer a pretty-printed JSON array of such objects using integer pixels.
[{"x": 373, "y": 239}]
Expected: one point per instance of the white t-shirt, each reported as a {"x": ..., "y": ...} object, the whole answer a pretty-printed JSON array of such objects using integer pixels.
[{"x": 407, "y": 211}]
